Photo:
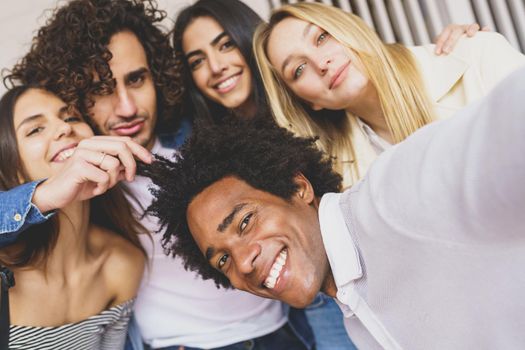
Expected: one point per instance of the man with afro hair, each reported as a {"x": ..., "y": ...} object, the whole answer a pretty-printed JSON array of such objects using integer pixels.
[{"x": 431, "y": 242}]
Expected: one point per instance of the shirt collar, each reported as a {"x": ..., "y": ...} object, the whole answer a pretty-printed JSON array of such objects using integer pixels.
[
  {"x": 439, "y": 73},
  {"x": 340, "y": 248}
]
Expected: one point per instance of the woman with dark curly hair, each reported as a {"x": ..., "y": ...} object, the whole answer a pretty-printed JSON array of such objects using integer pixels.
[{"x": 77, "y": 274}]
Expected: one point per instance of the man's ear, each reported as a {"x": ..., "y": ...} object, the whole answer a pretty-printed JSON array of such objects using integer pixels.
[{"x": 305, "y": 191}]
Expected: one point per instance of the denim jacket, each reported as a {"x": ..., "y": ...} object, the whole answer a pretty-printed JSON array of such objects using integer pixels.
[{"x": 17, "y": 212}]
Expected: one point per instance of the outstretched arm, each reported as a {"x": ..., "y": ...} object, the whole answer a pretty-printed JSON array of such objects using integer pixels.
[{"x": 464, "y": 176}]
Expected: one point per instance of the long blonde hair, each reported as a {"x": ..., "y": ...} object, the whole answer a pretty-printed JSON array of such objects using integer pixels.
[{"x": 390, "y": 67}]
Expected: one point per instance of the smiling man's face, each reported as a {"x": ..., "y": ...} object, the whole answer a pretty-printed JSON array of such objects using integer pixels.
[{"x": 264, "y": 244}]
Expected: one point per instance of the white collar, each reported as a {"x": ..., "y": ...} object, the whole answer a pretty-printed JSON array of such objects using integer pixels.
[{"x": 340, "y": 248}]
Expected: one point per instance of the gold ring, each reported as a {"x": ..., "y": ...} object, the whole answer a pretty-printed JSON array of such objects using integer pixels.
[{"x": 102, "y": 159}]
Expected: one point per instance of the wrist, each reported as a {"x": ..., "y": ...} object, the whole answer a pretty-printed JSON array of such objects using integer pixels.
[{"x": 40, "y": 198}]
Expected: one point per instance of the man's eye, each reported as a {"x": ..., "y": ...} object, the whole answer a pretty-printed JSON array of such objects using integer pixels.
[
  {"x": 245, "y": 221},
  {"x": 299, "y": 71},
  {"x": 321, "y": 38},
  {"x": 195, "y": 63},
  {"x": 222, "y": 261},
  {"x": 136, "y": 80}
]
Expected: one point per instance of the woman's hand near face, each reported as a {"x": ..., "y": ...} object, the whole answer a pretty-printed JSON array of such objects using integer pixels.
[
  {"x": 448, "y": 38},
  {"x": 96, "y": 165}
]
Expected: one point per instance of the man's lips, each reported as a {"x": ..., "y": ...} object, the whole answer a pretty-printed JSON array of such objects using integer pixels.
[
  {"x": 339, "y": 75},
  {"x": 129, "y": 128}
]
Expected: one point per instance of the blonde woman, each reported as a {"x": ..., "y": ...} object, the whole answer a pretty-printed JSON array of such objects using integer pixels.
[{"x": 328, "y": 74}]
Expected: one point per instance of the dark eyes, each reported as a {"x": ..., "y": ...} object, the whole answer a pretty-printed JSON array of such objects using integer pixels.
[
  {"x": 195, "y": 63},
  {"x": 222, "y": 261},
  {"x": 73, "y": 119},
  {"x": 245, "y": 221},
  {"x": 136, "y": 80},
  {"x": 227, "y": 45},
  {"x": 68, "y": 119},
  {"x": 34, "y": 130}
]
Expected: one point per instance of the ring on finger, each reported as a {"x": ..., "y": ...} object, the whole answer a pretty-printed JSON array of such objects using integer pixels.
[{"x": 102, "y": 159}]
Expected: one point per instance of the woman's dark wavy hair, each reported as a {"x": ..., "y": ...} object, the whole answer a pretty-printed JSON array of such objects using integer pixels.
[
  {"x": 72, "y": 46},
  {"x": 239, "y": 22},
  {"x": 256, "y": 151},
  {"x": 35, "y": 243}
]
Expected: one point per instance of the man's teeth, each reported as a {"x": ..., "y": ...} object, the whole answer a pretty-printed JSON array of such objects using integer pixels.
[
  {"x": 65, "y": 154},
  {"x": 228, "y": 82},
  {"x": 276, "y": 270}
]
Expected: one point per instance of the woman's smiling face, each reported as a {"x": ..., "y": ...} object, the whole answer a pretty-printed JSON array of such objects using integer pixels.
[
  {"x": 217, "y": 66},
  {"x": 46, "y": 133},
  {"x": 315, "y": 66}
]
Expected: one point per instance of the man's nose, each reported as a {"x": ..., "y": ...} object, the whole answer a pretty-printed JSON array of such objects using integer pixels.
[
  {"x": 245, "y": 256},
  {"x": 125, "y": 105}
]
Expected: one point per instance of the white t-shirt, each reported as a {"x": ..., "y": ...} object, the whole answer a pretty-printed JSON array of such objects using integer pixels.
[{"x": 176, "y": 307}]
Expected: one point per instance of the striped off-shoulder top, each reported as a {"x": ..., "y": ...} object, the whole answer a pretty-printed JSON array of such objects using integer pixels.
[{"x": 107, "y": 330}]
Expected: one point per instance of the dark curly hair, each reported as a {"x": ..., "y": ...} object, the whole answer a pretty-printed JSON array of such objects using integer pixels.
[
  {"x": 71, "y": 49},
  {"x": 256, "y": 151}
]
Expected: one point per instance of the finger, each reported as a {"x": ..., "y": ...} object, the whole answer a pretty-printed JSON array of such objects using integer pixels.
[
  {"x": 452, "y": 40},
  {"x": 472, "y": 29},
  {"x": 116, "y": 148},
  {"x": 136, "y": 149},
  {"x": 485, "y": 29},
  {"x": 441, "y": 39},
  {"x": 113, "y": 168}
]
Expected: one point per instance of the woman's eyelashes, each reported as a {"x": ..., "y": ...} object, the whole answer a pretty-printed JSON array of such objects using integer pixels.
[
  {"x": 299, "y": 71},
  {"x": 194, "y": 64},
  {"x": 34, "y": 130},
  {"x": 321, "y": 38},
  {"x": 39, "y": 128},
  {"x": 228, "y": 44}
]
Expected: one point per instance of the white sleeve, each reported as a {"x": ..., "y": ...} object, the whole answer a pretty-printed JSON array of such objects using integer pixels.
[{"x": 460, "y": 177}]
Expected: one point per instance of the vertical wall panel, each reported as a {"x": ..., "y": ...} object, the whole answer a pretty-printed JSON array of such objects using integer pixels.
[
  {"x": 417, "y": 23},
  {"x": 382, "y": 21},
  {"x": 517, "y": 10},
  {"x": 504, "y": 22},
  {"x": 400, "y": 22}
]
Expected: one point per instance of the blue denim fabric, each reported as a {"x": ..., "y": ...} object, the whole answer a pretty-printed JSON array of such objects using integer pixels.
[
  {"x": 326, "y": 320},
  {"x": 282, "y": 339},
  {"x": 176, "y": 140},
  {"x": 16, "y": 204},
  {"x": 133, "y": 338}
]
